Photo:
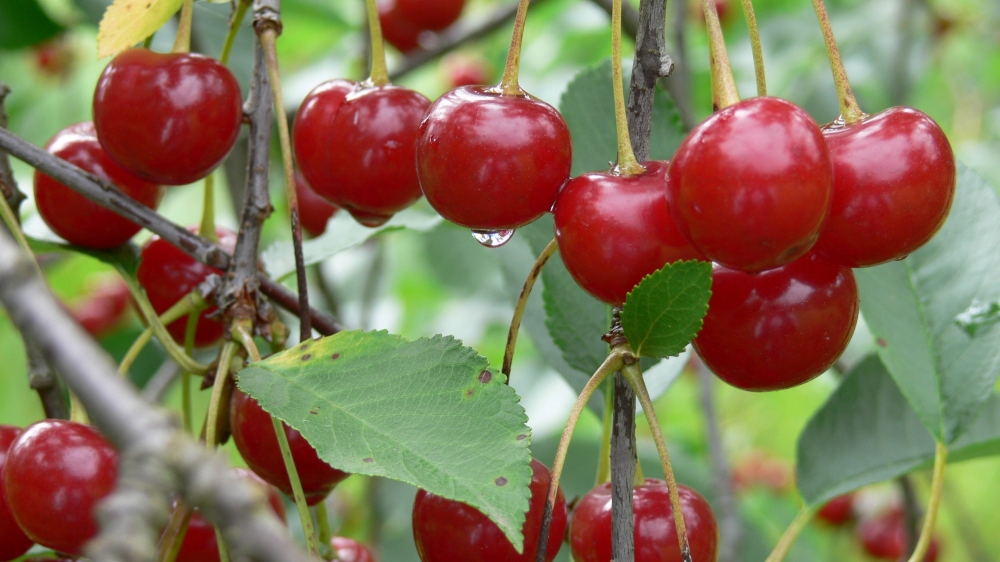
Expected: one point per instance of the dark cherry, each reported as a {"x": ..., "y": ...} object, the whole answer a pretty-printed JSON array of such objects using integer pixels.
[
  {"x": 838, "y": 511},
  {"x": 893, "y": 184},
  {"x": 884, "y": 537},
  {"x": 434, "y": 15},
  {"x": 356, "y": 147},
  {"x": 492, "y": 162},
  {"x": 751, "y": 185},
  {"x": 350, "y": 550},
  {"x": 56, "y": 473},
  {"x": 168, "y": 275},
  {"x": 168, "y": 118},
  {"x": 254, "y": 435},
  {"x": 445, "y": 530},
  {"x": 396, "y": 29},
  {"x": 200, "y": 544},
  {"x": 13, "y": 541},
  {"x": 314, "y": 211},
  {"x": 655, "y": 534},
  {"x": 104, "y": 307},
  {"x": 72, "y": 216},
  {"x": 779, "y": 328}
]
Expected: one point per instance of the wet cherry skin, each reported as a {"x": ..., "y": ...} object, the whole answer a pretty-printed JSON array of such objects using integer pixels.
[
  {"x": 13, "y": 541},
  {"x": 655, "y": 533},
  {"x": 893, "y": 183},
  {"x": 56, "y": 473},
  {"x": 314, "y": 211},
  {"x": 357, "y": 151},
  {"x": 396, "y": 29},
  {"x": 613, "y": 230},
  {"x": 445, "y": 530},
  {"x": 168, "y": 275},
  {"x": 779, "y": 328},
  {"x": 488, "y": 161},
  {"x": 168, "y": 118},
  {"x": 751, "y": 185},
  {"x": 838, "y": 511},
  {"x": 253, "y": 433},
  {"x": 433, "y": 15},
  {"x": 72, "y": 216},
  {"x": 884, "y": 537},
  {"x": 350, "y": 550}
]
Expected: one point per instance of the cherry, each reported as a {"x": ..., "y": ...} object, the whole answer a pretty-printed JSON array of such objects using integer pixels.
[
  {"x": 884, "y": 537},
  {"x": 759, "y": 469},
  {"x": 72, "y": 216},
  {"x": 613, "y": 230},
  {"x": 894, "y": 181},
  {"x": 104, "y": 307},
  {"x": 350, "y": 550},
  {"x": 254, "y": 435},
  {"x": 355, "y": 145},
  {"x": 434, "y": 15},
  {"x": 655, "y": 533},
  {"x": 838, "y": 511},
  {"x": 13, "y": 541},
  {"x": 446, "y": 530},
  {"x": 779, "y": 328},
  {"x": 167, "y": 118},
  {"x": 314, "y": 211},
  {"x": 168, "y": 275},
  {"x": 751, "y": 185},
  {"x": 465, "y": 70},
  {"x": 56, "y": 473},
  {"x": 492, "y": 162},
  {"x": 399, "y": 31},
  {"x": 200, "y": 543}
]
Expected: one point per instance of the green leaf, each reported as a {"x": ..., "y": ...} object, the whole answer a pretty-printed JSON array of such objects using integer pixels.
[
  {"x": 934, "y": 314},
  {"x": 24, "y": 23},
  {"x": 867, "y": 432},
  {"x": 125, "y": 258},
  {"x": 664, "y": 311},
  {"x": 425, "y": 412}
]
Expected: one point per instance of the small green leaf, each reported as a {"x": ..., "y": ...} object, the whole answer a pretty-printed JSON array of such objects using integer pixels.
[
  {"x": 128, "y": 22},
  {"x": 125, "y": 258},
  {"x": 24, "y": 23},
  {"x": 664, "y": 312},
  {"x": 426, "y": 412}
]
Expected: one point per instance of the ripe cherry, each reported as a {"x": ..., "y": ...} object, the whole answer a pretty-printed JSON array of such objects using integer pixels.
[
  {"x": 350, "y": 550},
  {"x": 397, "y": 29},
  {"x": 894, "y": 181},
  {"x": 167, "y": 118},
  {"x": 104, "y": 307},
  {"x": 168, "y": 275},
  {"x": 72, "y": 216},
  {"x": 56, "y": 473},
  {"x": 884, "y": 537},
  {"x": 445, "y": 530},
  {"x": 751, "y": 185},
  {"x": 613, "y": 230},
  {"x": 254, "y": 435},
  {"x": 314, "y": 211},
  {"x": 655, "y": 533},
  {"x": 492, "y": 162},
  {"x": 760, "y": 469},
  {"x": 779, "y": 328},
  {"x": 355, "y": 145},
  {"x": 13, "y": 541},
  {"x": 434, "y": 15},
  {"x": 838, "y": 511}
]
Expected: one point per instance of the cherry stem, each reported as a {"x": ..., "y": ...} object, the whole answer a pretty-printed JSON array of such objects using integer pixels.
[
  {"x": 173, "y": 537},
  {"x": 724, "y": 92},
  {"x": 627, "y": 163},
  {"x": 192, "y": 303},
  {"x": 218, "y": 392},
  {"x": 207, "y": 227},
  {"x": 325, "y": 532},
  {"x": 849, "y": 108},
  {"x": 508, "y": 84},
  {"x": 758, "y": 52},
  {"x": 189, "y": 332},
  {"x": 183, "y": 360},
  {"x": 612, "y": 363},
  {"x": 77, "y": 412},
  {"x": 235, "y": 21},
  {"x": 604, "y": 456},
  {"x": 380, "y": 72},
  {"x": 937, "y": 488},
  {"x": 182, "y": 43},
  {"x": 791, "y": 533},
  {"x": 522, "y": 303},
  {"x": 633, "y": 374},
  {"x": 220, "y": 541}
]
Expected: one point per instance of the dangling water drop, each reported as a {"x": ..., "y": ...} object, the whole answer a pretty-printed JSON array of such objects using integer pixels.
[{"x": 492, "y": 238}]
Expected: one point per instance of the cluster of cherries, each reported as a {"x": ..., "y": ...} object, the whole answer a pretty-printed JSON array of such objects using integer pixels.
[
  {"x": 404, "y": 21},
  {"x": 882, "y": 534}
]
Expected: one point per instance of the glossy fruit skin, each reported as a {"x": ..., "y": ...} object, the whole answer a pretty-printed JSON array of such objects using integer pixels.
[
  {"x": 103, "y": 308},
  {"x": 396, "y": 29},
  {"x": 357, "y": 151},
  {"x": 13, "y": 541},
  {"x": 492, "y": 162},
  {"x": 446, "y": 530},
  {"x": 884, "y": 537},
  {"x": 170, "y": 118},
  {"x": 434, "y": 15},
  {"x": 350, "y": 550},
  {"x": 655, "y": 534},
  {"x": 168, "y": 275},
  {"x": 838, "y": 511},
  {"x": 893, "y": 184},
  {"x": 613, "y": 230},
  {"x": 253, "y": 433},
  {"x": 314, "y": 211},
  {"x": 751, "y": 185},
  {"x": 200, "y": 544},
  {"x": 780, "y": 328},
  {"x": 57, "y": 471},
  {"x": 72, "y": 216}
]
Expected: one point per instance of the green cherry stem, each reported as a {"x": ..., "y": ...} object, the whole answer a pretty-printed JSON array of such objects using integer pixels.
[
  {"x": 183, "y": 360},
  {"x": 380, "y": 72},
  {"x": 189, "y": 332},
  {"x": 220, "y": 541},
  {"x": 937, "y": 488},
  {"x": 325, "y": 531},
  {"x": 182, "y": 43},
  {"x": 604, "y": 456},
  {"x": 235, "y": 21},
  {"x": 173, "y": 536},
  {"x": 849, "y": 108},
  {"x": 508, "y": 84},
  {"x": 522, "y": 303},
  {"x": 627, "y": 163},
  {"x": 215, "y": 405},
  {"x": 207, "y": 227},
  {"x": 191, "y": 304},
  {"x": 791, "y": 533},
  {"x": 758, "y": 52},
  {"x": 724, "y": 92}
]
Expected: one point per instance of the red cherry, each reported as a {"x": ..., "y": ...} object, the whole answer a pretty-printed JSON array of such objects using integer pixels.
[
  {"x": 56, "y": 473},
  {"x": 199, "y": 543},
  {"x": 314, "y": 211},
  {"x": 751, "y": 185},
  {"x": 169, "y": 118},
  {"x": 838, "y": 511},
  {"x": 894, "y": 181},
  {"x": 614, "y": 230},
  {"x": 168, "y": 275},
  {"x": 253, "y": 433},
  {"x": 350, "y": 550},
  {"x": 434, "y": 15},
  {"x": 492, "y": 162},
  {"x": 779, "y": 328},
  {"x": 356, "y": 147},
  {"x": 72, "y": 216},
  {"x": 104, "y": 307},
  {"x": 396, "y": 29},
  {"x": 465, "y": 70},
  {"x": 446, "y": 530},
  {"x": 655, "y": 534},
  {"x": 884, "y": 537},
  {"x": 13, "y": 541},
  {"x": 759, "y": 469}
]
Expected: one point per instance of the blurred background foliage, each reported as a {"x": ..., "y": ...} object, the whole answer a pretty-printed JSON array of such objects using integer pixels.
[{"x": 941, "y": 56}]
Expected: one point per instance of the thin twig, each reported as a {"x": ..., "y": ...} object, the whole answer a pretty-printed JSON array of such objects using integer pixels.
[{"x": 8, "y": 185}]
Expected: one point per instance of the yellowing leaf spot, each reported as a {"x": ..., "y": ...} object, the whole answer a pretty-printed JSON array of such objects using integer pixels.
[{"x": 128, "y": 22}]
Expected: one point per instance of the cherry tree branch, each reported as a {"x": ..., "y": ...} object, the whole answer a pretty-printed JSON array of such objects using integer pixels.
[{"x": 8, "y": 186}]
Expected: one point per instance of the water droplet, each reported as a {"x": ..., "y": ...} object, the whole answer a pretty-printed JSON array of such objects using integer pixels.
[
  {"x": 492, "y": 238},
  {"x": 979, "y": 315}
]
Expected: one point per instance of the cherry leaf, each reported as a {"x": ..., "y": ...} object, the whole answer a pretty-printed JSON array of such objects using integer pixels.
[
  {"x": 664, "y": 311},
  {"x": 128, "y": 22}
]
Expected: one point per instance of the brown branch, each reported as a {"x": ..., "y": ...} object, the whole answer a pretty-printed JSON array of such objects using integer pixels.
[{"x": 8, "y": 186}]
